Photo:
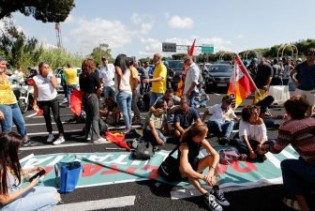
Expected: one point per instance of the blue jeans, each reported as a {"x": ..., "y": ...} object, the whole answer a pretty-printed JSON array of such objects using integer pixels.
[
  {"x": 219, "y": 129},
  {"x": 69, "y": 89},
  {"x": 124, "y": 103},
  {"x": 154, "y": 97},
  {"x": 109, "y": 92},
  {"x": 148, "y": 136},
  {"x": 192, "y": 98},
  {"x": 12, "y": 114},
  {"x": 39, "y": 198}
]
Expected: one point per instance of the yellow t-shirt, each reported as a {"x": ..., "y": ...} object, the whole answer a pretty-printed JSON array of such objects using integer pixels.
[
  {"x": 159, "y": 71},
  {"x": 134, "y": 74},
  {"x": 71, "y": 76},
  {"x": 7, "y": 96}
]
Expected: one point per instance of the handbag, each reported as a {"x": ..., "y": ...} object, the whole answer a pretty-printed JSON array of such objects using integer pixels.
[
  {"x": 228, "y": 156},
  {"x": 143, "y": 151},
  {"x": 169, "y": 168},
  {"x": 67, "y": 175}
]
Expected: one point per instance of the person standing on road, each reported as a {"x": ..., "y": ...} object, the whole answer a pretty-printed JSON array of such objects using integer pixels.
[
  {"x": 190, "y": 166},
  {"x": 134, "y": 81},
  {"x": 71, "y": 80},
  {"x": 297, "y": 130},
  {"x": 124, "y": 91},
  {"x": 191, "y": 79},
  {"x": 144, "y": 74},
  {"x": 45, "y": 98},
  {"x": 12, "y": 196},
  {"x": 90, "y": 87},
  {"x": 158, "y": 80},
  {"x": 303, "y": 76},
  {"x": 9, "y": 110},
  {"x": 262, "y": 80},
  {"x": 107, "y": 77}
]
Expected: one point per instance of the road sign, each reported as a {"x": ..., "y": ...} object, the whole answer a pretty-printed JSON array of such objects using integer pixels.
[
  {"x": 208, "y": 49},
  {"x": 168, "y": 47}
]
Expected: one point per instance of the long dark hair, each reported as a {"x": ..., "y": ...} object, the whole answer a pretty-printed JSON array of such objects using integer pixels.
[
  {"x": 122, "y": 62},
  {"x": 196, "y": 129},
  {"x": 9, "y": 146}
]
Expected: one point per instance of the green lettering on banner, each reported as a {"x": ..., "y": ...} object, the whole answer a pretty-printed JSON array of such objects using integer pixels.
[{"x": 119, "y": 167}]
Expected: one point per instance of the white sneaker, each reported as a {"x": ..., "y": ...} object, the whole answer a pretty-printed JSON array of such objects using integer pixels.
[
  {"x": 59, "y": 140},
  {"x": 50, "y": 138},
  {"x": 101, "y": 141}
]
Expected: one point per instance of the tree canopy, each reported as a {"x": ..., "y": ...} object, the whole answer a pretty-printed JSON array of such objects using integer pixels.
[
  {"x": 43, "y": 10},
  {"x": 100, "y": 51}
]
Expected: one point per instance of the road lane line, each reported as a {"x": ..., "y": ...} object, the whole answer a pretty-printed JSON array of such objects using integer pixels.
[
  {"x": 50, "y": 146},
  {"x": 99, "y": 204},
  {"x": 54, "y": 132}
]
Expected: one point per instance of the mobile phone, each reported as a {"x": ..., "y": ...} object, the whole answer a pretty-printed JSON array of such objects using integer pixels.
[{"x": 38, "y": 174}]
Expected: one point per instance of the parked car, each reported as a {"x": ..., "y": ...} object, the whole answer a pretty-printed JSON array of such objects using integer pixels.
[
  {"x": 219, "y": 75},
  {"x": 58, "y": 74}
]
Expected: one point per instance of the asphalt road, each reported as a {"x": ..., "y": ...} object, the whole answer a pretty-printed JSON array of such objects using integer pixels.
[{"x": 148, "y": 195}]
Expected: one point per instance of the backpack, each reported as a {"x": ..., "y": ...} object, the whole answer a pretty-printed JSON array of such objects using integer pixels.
[
  {"x": 143, "y": 151},
  {"x": 228, "y": 155}
]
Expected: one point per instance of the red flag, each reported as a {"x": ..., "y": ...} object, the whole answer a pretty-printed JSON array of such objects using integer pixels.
[
  {"x": 76, "y": 102},
  {"x": 192, "y": 48},
  {"x": 118, "y": 139},
  {"x": 241, "y": 84}
]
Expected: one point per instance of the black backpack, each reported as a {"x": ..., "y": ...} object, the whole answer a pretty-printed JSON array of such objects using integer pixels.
[{"x": 143, "y": 151}]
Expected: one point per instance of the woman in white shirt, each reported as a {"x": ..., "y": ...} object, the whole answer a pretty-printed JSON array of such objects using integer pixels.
[
  {"x": 45, "y": 98},
  {"x": 252, "y": 133}
]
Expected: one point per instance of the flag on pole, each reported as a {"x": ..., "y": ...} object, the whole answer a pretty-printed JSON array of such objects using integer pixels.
[
  {"x": 241, "y": 84},
  {"x": 192, "y": 48}
]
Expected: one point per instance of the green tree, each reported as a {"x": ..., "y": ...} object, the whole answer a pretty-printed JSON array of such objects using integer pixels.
[
  {"x": 43, "y": 10},
  {"x": 100, "y": 51},
  {"x": 18, "y": 50}
]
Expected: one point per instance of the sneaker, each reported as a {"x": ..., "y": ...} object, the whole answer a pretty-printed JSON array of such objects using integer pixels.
[
  {"x": 293, "y": 204},
  {"x": 219, "y": 195},
  {"x": 26, "y": 143},
  {"x": 101, "y": 141},
  {"x": 211, "y": 203},
  {"x": 59, "y": 140},
  {"x": 88, "y": 138},
  {"x": 50, "y": 138}
]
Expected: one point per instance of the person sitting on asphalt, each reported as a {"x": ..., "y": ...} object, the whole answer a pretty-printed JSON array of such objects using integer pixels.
[
  {"x": 201, "y": 98},
  {"x": 12, "y": 195},
  {"x": 172, "y": 102},
  {"x": 297, "y": 130},
  {"x": 219, "y": 123},
  {"x": 190, "y": 166},
  {"x": 252, "y": 134},
  {"x": 184, "y": 117},
  {"x": 155, "y": 124},
  {"x": 110, "y": 112}
]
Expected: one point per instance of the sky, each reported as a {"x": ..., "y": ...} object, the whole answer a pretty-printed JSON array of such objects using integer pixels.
[{"x": 139, "y": 27}]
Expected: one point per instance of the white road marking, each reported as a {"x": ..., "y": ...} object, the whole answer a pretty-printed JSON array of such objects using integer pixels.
[
  {"x": 54, "y": 132},
  {"x": 50, "y": 146},
  {"x": 99, "y": 204}
]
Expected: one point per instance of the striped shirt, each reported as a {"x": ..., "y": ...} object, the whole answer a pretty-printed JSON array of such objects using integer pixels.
[{"x": 301, "y": 135}]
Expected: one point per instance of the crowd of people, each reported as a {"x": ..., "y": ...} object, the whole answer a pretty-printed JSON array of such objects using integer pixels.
[{"x": 171, "y": 114}]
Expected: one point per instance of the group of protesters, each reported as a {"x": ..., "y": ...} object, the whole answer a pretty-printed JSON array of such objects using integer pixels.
[{"x": 170, "y": 114}]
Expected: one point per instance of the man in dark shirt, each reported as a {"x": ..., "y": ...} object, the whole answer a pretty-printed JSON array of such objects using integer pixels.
[
  {"x": 263, "y": 80},
  {"x": 184, "y": 117},
  {"x": 303, "y": 76}
]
